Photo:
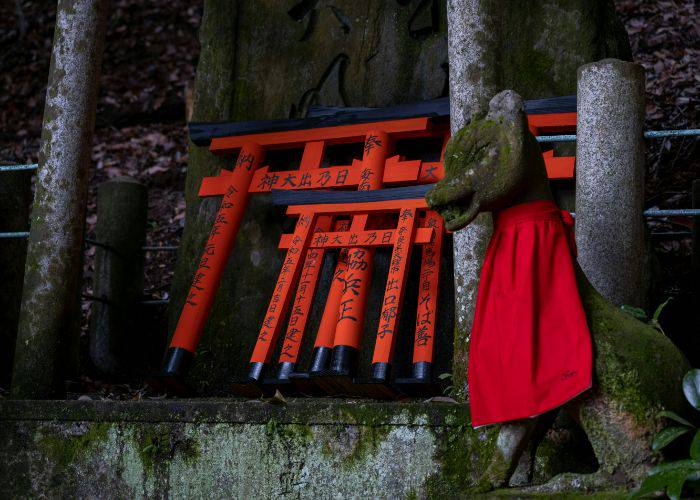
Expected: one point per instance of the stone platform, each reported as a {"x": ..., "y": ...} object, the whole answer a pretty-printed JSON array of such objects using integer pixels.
[{"x": 242, "y": 449}]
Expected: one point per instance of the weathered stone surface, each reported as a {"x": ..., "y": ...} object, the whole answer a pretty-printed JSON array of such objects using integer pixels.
[
  {"x": 533, "y": 48},
  {"x": 610, "y": 180},
  {"x": 494, "y": 163},
  {"x": 122, "y": 206},
  {"x": 15, "y": 200},
  {"x": 50, "y": 310},
  {"x": 238, "y": 449}
]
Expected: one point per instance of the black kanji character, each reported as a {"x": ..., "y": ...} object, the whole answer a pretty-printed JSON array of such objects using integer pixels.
[
  {"x": 430, "y": 173},
  {"x": 371, "y": 142},
  {"x": 321, "y": 239},
  {"x": 245, "y": 161},
  {"x": 422, "y": 336},
  {"x": 290, "y": 180},
  {"x": 350, "y": 283},
  {"x": 344, "y": 309},
  {"x": 305, "y": 180},
  {"x": 342, "y": 176},
  {"x": 268, "y": 181},
  {"x": 324, "y": 177}
]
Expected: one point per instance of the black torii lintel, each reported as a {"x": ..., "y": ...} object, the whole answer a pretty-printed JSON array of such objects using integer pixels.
[
  {"x": 202, "y": 133},
  {"x": 292, "y": 197}
]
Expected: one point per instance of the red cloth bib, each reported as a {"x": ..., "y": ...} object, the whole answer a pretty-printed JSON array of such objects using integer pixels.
[{"x": 530, "y": 347}]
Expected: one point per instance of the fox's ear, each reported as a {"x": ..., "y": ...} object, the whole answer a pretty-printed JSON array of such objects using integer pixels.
[{"x": 507, "y": 107}]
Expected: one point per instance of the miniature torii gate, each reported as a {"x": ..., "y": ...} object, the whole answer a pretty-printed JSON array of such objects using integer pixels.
[
  {"x": 236, "y": 185},
  {"x": 376, "y": 169},
  {"x": 345, "y": 291}
]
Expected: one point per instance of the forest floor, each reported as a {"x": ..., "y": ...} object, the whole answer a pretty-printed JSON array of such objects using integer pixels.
[{"x": 150, "y": 57}]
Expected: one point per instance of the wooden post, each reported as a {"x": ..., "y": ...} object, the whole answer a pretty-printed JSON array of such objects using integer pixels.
[
  {"x": 50, "y": 297},
  {"x": 428, "y": 290},
  {"x": 15, "y": 200},
  {"x": 122, "y": 206},
  {"x": 301, "y": 308},
  {"x": 281, "y": 298}
]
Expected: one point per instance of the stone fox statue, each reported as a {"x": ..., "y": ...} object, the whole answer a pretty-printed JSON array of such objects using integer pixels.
[{"x": 494, "y": 164}]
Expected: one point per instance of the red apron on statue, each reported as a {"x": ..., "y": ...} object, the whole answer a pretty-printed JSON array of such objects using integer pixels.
[{"x": 530, "y": 347}]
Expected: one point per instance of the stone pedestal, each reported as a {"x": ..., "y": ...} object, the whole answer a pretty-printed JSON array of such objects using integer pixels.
[
  {"x": 238, "y": 449},
  {"x": 610, "y": 179}
]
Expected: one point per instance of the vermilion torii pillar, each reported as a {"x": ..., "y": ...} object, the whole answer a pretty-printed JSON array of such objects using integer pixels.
[
  {"x": 393, "y": 295},
  {"x": 282, "y": 295},
  {"x": 428, "y": 290},
  {"x": 310, "y": 273},
  {"x": 216, "y": 253},
  {"x": 323, "y": 347},
  {"x": 360, "y": 264}
]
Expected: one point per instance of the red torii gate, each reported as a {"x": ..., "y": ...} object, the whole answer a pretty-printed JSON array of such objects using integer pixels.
[
  {"x": 410, "y": 230},
  {"x": 376, "y": 169}
]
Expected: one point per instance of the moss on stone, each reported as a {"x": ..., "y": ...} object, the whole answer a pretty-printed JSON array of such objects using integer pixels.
[
  {"x": 153, "y": 446},
  {"x": 373, "y": 430},
  {"x": 412, "y": 495},
  {"x": 635, "y": 365},
  {"x": 68, "y": 448},
  {"x": 464, "y": 455},
  {"x": 524, "y": 494},
  {"x": 159, "y": 444},
  {"x": 298, "y": 434}
]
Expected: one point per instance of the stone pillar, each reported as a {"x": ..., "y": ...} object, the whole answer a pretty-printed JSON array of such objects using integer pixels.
[
  {"x": 473, "y": 45},
  {"x": 50, "y": 308},
  {"x": 15, "y": 200},
  {"x": 122, "y": 206},
  {"x": 610, "y": 179}
]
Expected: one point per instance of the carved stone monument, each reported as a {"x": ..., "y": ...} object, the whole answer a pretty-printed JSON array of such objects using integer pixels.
[{"x": 490, "y": 163}]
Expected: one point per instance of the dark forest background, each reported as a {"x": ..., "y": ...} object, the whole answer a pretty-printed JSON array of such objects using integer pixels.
[{"x": 150, "y": 58}]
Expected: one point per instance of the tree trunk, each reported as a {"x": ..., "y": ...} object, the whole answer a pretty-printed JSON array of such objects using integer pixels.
[{"x": 50, "y": 298}]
